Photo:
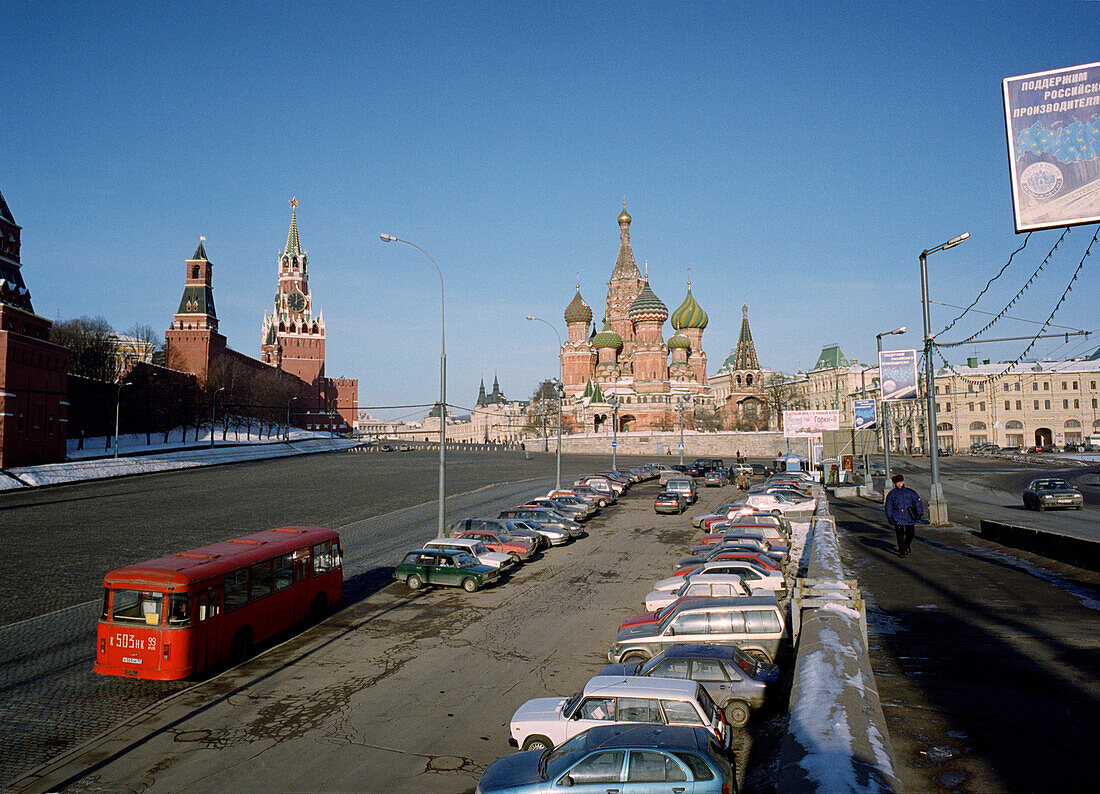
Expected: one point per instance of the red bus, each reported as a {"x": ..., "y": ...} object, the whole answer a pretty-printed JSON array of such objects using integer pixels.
[{"x": 175, "y": 616}]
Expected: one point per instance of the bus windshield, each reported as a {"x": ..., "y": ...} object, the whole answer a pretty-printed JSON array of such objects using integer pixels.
[{"x": 137, "y": 606}]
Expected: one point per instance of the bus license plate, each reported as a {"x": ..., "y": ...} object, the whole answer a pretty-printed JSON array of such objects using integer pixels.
[{"x": 130, "y": 660}]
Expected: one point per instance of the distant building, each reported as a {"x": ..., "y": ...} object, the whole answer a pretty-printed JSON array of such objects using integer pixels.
[
  {"x": 739, "y": 386},
  {"x": 33, "y": 371},
  {"x": 129, "y": 350}
]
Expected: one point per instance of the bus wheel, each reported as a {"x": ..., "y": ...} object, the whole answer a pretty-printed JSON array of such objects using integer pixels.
[
  {"x": 241, "y": 648},
  {"x": 320, "y": 606}
]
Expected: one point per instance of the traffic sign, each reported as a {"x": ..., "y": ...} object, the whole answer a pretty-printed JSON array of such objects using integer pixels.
[
  {"x": 614, "y": 444},
  {"x": 681, "y": 447}
]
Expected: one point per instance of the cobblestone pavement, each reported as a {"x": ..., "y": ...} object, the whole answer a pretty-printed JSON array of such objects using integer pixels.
[{"x": 52, "y": 701}]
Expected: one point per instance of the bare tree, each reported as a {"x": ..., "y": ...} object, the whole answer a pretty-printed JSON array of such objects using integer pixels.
[
  {"x": 89, "y": 339},
  {"x": 706, "y": 419},
  {"x": 542, "y": 411},
  {"x": 780, "y": 394},
  {"x": 147, "y": 335}
]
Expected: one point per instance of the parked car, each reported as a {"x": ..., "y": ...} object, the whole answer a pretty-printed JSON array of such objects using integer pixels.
[
  {"x": 760, "y": 469},
  {"x": 760, "y": 580},
  {"x": 571, "y": 511},
  {"x": 683, "y": 485},
  {"x": 710, "y": 585},
  {"x": 440, "y": 567},
  {"x": 545, "y": 723},
  {"x": 520, "y": 549},
  {"x": 1048, "y": 492},
  {"x": 719, "y": 512},
  {"x": 550, "y": 536},
  {"x": 476, "y": 549},
  {"x": 716, "y": 478},
  {"x": 778, "y": 503},
  {"x": 735, "y": 681},
  {"x": 601, "y": 498},
  {"x": 670, "y": 502},
  {"x": 618, "y": 757},
  {"x": 756, "y": 624},
  {"x": 545, "y": 517}
]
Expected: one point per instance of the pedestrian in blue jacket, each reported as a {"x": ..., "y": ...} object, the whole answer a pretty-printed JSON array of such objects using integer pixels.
[{"x": 903, "y": 509}]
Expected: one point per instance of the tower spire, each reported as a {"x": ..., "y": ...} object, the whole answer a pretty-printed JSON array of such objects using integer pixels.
[
  {"x": 293, "y": 246},
  {"x": 745, "y": 357}
]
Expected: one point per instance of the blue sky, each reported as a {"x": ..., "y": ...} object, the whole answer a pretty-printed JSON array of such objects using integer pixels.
[{"x": 796, "y": 157}]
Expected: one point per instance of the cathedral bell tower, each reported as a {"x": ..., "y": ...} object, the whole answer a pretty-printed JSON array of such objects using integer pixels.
[{"x": 293, "y": 337}]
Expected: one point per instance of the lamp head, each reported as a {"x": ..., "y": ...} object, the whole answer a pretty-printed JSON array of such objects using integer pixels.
[
  {"x": 897, "y": 331},
  {"x": 955, "y": 240},
  {"x": 529, "y": 317},
  {"x": 388, "y": 238}
]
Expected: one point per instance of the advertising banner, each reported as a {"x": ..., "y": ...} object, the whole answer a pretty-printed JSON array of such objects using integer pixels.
[
  {"x": 1051, "y": 120},
  {"x": 806, "y": 424},
  {"x": 865, "y": 414},
  {"x": 897, "y": 374}
]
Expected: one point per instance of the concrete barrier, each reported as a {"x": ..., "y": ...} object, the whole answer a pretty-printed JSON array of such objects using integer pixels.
[
  {"x": 1075, "y": 551},
  {"x": 837, "y": 739}
]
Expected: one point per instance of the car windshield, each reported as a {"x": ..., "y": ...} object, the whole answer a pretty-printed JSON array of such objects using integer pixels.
[
  {"x": 1052, "y": 485},
  {"x": 708, "y": 705},
  {"x": 554, "y": 762}
]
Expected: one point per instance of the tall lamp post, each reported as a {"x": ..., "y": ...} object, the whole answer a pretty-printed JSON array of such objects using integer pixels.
[
  {"x": 288, "y": 404},
  {"x": 389, "y": 238},
  {"x": 680, "y": 403},
  {"x": 558, "y": 391},
  {"x": 614, "y": 403},
  {"x": 118, "y": 406},
  {"x": 885, "y": 414},
  {"x": 937, "y": 505},
  {"x": 213, "y": 402}
]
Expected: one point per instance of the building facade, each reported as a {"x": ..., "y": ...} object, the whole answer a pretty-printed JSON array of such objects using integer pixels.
[
  {"x": 33, "y": 371},
  {"x": 739, "y": 386},
  {"x": 628, "y": 376}
]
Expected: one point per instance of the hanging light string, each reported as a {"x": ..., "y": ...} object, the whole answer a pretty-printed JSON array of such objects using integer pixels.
[
  {"x": 1016, "y": 297},
  {"x": 985, "y": 289},
  {"x": 1058, "y": 305}
]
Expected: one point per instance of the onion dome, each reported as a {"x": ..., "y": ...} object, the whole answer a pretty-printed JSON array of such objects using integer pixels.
[
  {"x": 578, "y": 311},
  {"x": 679, "y": 341},
  {"x": 607, "y": 338},
  {"x": 690, "y": 314},
  {"x": 624, "y": 216},
  {"x": 648, "y": 306}
]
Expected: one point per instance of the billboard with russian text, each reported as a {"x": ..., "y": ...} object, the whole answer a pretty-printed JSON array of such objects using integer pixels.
[
  {"x": 1053, "y": 124},
  {"x": 806, "y": 424},
  {"x": 897, "y": 374}
]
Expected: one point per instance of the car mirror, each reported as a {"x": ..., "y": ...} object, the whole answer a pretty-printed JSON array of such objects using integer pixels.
[
  {"x": 566, "y": 782},
  {"x": 670, "y": 631}
]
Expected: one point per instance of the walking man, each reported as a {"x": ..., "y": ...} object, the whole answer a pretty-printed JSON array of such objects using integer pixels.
[{"x": 903, "y": 509}]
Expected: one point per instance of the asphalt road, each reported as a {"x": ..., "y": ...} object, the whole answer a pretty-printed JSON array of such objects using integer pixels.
[
  {"x": 392, "y": 687},
  {"x": 986, "y": 658}
]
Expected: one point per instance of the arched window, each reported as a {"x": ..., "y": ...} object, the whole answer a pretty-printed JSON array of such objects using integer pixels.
[
  {"x": 977, "y": 426},
  {"x": 315, "y": 328},
  {"x": 282, "y": 327},
  {"x": 738, "y": 380},
  {"x": 1014, "y": 425},
  {"x": 748, "y": 379},
  {"x": 1072, "y": 423},
  {"x": 195, "y": 271},
  {"x": 948, "y": 426}
]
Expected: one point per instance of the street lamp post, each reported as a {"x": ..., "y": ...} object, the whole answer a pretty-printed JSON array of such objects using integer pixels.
[
  {"x": 118, "y": 405},
  {"x": 680, "y": 403},
  {"x": 213, "y": 401},
  {"x": 288, "y": 404},
  {"x": 937, "y": 505},
  {"x": 559, "y": 391},
  {"x": 885, "y": 414},
  {"x": 614, "y": 403},
  {"x": 389, "y": 238}
]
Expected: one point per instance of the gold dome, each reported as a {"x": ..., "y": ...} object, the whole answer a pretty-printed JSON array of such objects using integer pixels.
[{"x": 624, "y": 217}]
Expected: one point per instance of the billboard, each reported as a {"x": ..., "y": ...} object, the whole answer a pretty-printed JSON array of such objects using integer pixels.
[
  {"x": 806, "y": 424},
  {"x": 897, "y": 374},
  {"x": 864, "y": 411},
  {"x": 1051, "y": 119}
]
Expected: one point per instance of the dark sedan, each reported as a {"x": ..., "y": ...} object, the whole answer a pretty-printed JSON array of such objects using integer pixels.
[
  {"x": 1048, "y": 492},
  {"x": 669, "y": 502}
]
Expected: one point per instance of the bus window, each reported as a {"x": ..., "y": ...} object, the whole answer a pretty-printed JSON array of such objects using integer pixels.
[
  {"x": 179, "y": 609},
  {"x": 322, "y": 558},
  {"x": 284, "y": 571},
  {"x": 137, "y": 606},
  {"x": 106, "y": 603},
  {"x": 236, "y": 589},
  {"x": 261, "y": 579}
]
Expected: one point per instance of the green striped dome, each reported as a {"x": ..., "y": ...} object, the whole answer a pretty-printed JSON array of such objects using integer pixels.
[
  {"x": 578, "y": 311},
  {"x": 689, "y": 315},
  {"x": 679, "y": 341},
  {"x": 607, "y": 338},
  {"x": 647, "y": 306}
]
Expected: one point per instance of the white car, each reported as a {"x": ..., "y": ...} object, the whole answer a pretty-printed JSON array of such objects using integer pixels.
[
  {"x": 712, "y": 585},
  {"x": 547, "y": 722},
  {"x": 759, "y": 580},
  {"x": 718, "y": 512},
  {"x": 777, "y": 503},
  {"x": 494, "y": 559}
]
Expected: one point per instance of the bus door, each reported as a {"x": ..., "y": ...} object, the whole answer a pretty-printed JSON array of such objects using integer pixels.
[
  {"x": 302, "y": 595},
  {"x": 205, "y": 638}
]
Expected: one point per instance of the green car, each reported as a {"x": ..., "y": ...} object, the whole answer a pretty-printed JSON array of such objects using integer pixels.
[{"x": 444, "y": 568}]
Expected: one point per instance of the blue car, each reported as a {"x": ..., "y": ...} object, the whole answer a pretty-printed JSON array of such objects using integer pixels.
[{"x": 642, "y": 757}]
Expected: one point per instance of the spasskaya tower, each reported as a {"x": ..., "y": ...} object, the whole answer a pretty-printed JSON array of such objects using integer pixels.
[{"x": 294, "y": 334}]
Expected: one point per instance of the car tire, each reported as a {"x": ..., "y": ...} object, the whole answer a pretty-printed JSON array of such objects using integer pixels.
[
  {"x": 737, "y": 713},
  {"x": 414, "y": 582},
  {"x": 536, "y": 742},
  {"x": 1039, "y": 507},
  {"x": 633, "y": 656},
  {"x": 469, "y": 584},
  {"x": 516, "y": 560}
]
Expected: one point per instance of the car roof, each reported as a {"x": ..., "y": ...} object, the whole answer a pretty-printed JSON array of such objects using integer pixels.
[
  {"x": 631, "y": 686},
  {"x": 713, "y": 578},
  {"x": 647, "y": 735},
  {"x": 702, "y": 602},
  {"x": 687, "y": 651},
  {"x": 465, "y": 542}
]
